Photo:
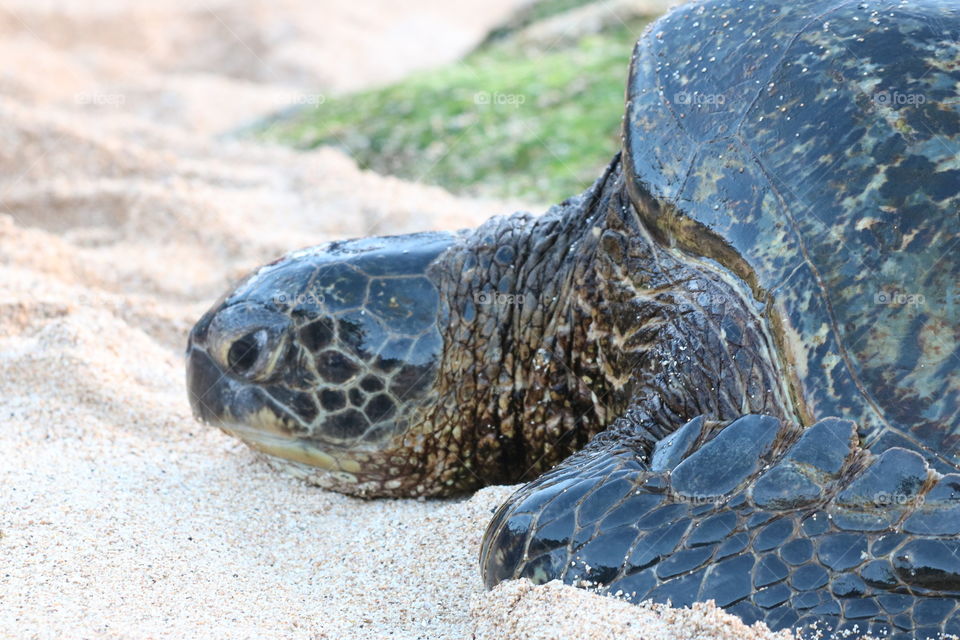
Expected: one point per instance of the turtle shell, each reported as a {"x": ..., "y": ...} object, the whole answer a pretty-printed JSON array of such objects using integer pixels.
[{"x": 813, "y": 150}]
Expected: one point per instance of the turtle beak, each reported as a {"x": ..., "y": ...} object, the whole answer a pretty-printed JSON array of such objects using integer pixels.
[
  {"x": 231, "y": 352},
  {"x": 206, "y": 387},
  {"x": 216, "y": 397},
  {"x": 203, "y": 376},
  {"x": 241, "y": 410}
]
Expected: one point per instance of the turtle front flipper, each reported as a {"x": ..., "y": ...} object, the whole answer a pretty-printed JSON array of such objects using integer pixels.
[{"x": 794, "y": 528}]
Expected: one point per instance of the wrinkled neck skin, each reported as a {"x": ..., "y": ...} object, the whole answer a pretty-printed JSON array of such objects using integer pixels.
[
  {"x": 555, "y": 326},
  {"x": 524, "y": 381}
]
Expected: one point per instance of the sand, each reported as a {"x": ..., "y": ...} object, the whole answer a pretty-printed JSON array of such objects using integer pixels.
[{"x": 123, "y": 214}]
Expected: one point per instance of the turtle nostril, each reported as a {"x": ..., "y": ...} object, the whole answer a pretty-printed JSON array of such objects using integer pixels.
[{"x": 244, "y": 352}]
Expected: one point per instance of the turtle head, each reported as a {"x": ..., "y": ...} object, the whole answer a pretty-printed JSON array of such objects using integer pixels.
[
  {"x": 430, "y": 363},
  {"x": 325, "y": 358}
]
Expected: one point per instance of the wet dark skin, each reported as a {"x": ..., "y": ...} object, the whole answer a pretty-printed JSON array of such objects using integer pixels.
[{"x": 727, "y": 371}]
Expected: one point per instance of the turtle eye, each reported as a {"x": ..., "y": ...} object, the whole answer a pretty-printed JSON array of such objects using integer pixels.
[
  {"x": 248, "y": 341},
  {"x": 245, "y": 351}
]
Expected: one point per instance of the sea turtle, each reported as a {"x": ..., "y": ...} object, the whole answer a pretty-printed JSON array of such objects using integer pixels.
[{"x": 729, "y": 369}]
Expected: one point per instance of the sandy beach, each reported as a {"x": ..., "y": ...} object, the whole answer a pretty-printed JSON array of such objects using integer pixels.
[{"x": 124, "y": 212}]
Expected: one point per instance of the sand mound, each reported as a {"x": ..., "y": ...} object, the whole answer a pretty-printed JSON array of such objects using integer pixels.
[
  {"x": 122, "y": 217},
  {"x": 518, "y": 609}
]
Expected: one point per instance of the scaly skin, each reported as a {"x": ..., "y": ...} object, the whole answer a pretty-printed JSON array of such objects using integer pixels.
[
  {"x": 524, "y": 380},
  {"x": 604, "y": 319},
  {"x": 701, "y": 341}
]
